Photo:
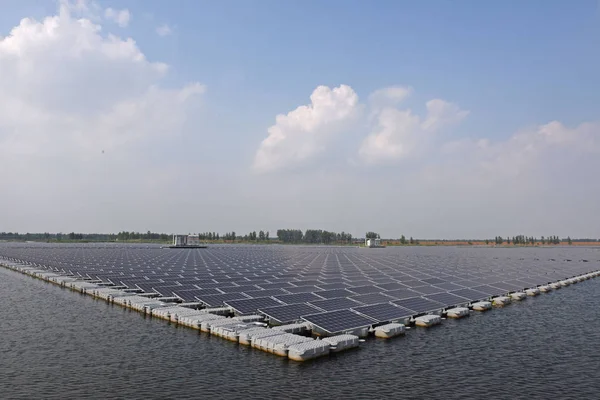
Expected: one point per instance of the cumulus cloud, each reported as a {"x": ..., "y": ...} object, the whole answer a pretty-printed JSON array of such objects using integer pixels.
[
  {"x": 303, "y": 133},
  {"x": 389, "y": 96},
  {"x": 120, "y": 17},
  {"x": 395, "y": 133},
  {"x": 441, "y": 114},
  {"x": 400, "y": 133},
  {"x": 71, "y": 94},
  {"x": 163, "y": 30},
  {"x": 394, "y": 137}
]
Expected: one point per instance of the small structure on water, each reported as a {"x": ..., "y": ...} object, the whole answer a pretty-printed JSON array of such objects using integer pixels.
[
  {"x": 187, "y": 242},
  {"x": 373, "y": 243}
]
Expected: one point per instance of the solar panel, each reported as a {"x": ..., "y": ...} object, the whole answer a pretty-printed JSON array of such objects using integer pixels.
[
  {"x": 508, "y": 287},
  {"x": 329, "y": 286},
  {"x": 187, "y": 295},
  {"x": 302, "y": 289},
  {"x": 427, "y": 289},
  {"x": 412, "y": 283},
  {"x": 470, "y": 294},
  {"x": 250, "y": 306},
  {"x": 449, "y": 286},
  {"x": 277, "y": 285},
  {"x": 366, "y": 289},
  {"x": 433, "y": 281},
  {"x": 335, "y": 304},
  {"x": 391, "y": 286},
  {"x": 447, "y": 299},
  {"x": 372, "y": 298},
  {"x": 298, "y": 298},
  {"x": 418, "y": 304},
  {"x": 490, "y": 290},
  {"x": 338, "y": 321},
  {"x": 288, "y": 313},
  {"x": 384, "y": 312},
  {"x": 237, "y": 289},
  {"x": 264, "y": 293},
  {"x": 332, "y": 294},
  {"x": 401, "y": 293},
  {"x": 217, "y": 300}
]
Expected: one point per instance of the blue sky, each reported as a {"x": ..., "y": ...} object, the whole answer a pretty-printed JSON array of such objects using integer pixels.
[{"x": 508, "y": 68}]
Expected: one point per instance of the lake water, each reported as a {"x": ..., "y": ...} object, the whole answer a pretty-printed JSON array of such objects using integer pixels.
[{"x": 55, "y": 343}]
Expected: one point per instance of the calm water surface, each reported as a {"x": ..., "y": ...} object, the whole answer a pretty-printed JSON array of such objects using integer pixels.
[{"x": 55, "y": 343}]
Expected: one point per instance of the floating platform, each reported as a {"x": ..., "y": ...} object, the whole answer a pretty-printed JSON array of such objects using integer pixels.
[
  {"x": 342, "y": 342},
  {"x": 279, "y": 344},
  {"x": 501, "y": 301},
  {"x": 308, "y": 350},
  {"x": 390, "y": 330},
  {"x": 545, "y": 288},
  {"x": 292, "y": 340},
  {"x": 482, "y": 306},
  {"x": 457, "y": 312},
  {"x": 427, "y": 321},
  {"x": 518, "y": 296}
]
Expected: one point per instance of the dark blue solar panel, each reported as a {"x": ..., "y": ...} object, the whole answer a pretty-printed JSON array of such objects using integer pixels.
[
  {"x": 447, "y": 299},
  {"x": 470, "y": 294},
  {"x": 335, "y": 304},
  {"x": 428, "y": 289},
  {"x": 391, "y": 286},
  {"x": 332, "y": 294},
  {"x": 251, "y": 306},
  {"x": 288, "y": 313},
  {"x": 372, "y": 298},
  {"x": 401, "y": 293},
  {"x": 384, "y": 312},
  {"x": 217, "y": 300},
  {"x": 298, "y": 298},
  {"x": 419, "y": 304},
  {"x": 339, "y": 321}
]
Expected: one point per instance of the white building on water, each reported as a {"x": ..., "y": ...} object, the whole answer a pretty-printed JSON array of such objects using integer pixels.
[
  {"x": 373, "y": 242},
  {"x": 186, "y": 240}
]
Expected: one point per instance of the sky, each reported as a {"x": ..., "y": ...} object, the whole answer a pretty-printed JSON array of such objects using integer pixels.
[{"x": 430, "y": 119}]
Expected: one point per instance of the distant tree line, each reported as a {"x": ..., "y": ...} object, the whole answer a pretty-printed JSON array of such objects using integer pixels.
[
  {"x": 313, "y": 236},
  {"x": 310, "y": 236},
  {"x": 125, "y": 236},
  {"x": 531, "y": 240}
]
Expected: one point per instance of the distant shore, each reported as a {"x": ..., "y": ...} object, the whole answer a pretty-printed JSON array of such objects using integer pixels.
[{"x": 384, "y": 242}]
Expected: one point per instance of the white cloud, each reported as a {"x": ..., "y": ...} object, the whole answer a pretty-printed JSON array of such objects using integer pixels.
[
  {"x": 400, "y": 133},
  {"x": 120, "y": 17},
  {"x": 395, "y": 136},
  {"x": 303, "y": 133},
  {"x": 80, "y": 112},
  {"x": 441, "y": 114},
  {"x": 389, "y": 96},
  {"x": 163, "y": 30}
]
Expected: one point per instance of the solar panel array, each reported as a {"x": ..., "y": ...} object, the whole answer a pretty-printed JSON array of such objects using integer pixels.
[{"x": 288, "y": 283}]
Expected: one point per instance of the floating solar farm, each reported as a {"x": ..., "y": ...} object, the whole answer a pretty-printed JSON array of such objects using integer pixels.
[{"x": 280, "y": 298}]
